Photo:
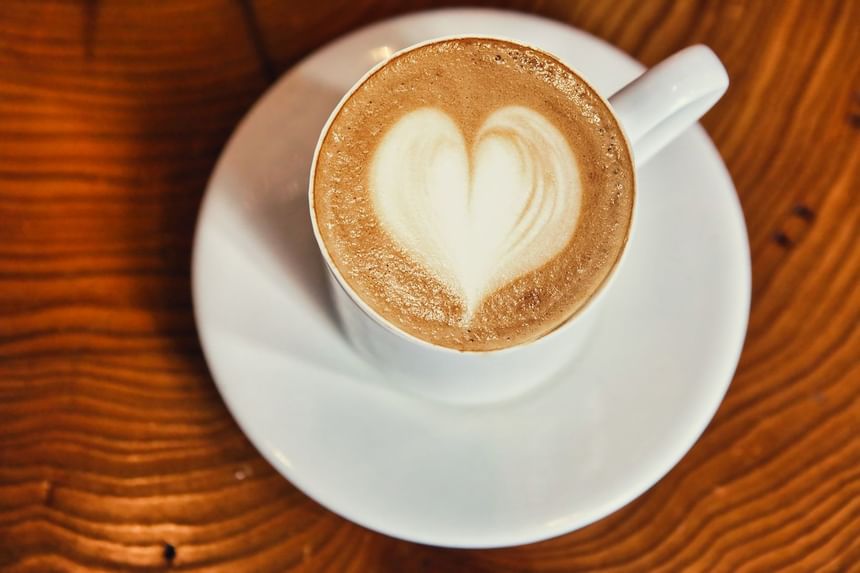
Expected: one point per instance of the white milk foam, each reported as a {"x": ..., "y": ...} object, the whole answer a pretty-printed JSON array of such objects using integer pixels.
[{"x": 477, "y": 216}]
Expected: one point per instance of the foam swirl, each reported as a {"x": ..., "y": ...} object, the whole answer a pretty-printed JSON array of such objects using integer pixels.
[{"x": 476, "y": 218}]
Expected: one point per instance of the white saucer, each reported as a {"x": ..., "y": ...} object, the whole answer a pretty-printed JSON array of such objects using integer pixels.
[{"x": 557, "y": 459}]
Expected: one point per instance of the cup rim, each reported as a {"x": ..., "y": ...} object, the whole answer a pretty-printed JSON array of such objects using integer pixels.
[{"x": 388, "y": 325}]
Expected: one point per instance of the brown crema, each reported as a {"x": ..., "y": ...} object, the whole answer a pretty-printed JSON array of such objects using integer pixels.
[{"x": 468, "y": 79}]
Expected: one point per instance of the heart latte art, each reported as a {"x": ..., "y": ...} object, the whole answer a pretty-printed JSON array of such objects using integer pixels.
[
  {"x": 476, "y": 216},
  {"x": 473, "y": 193}
]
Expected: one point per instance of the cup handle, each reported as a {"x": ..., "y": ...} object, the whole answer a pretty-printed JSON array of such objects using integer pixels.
[{"x": 661, "y": 103}]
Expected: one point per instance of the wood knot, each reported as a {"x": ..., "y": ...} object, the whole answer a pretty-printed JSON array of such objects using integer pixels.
[
  {"x": 782, "y": 240},
  {"x": 169, "y": 552},
  {"x": 48, "y": 493},
  {"x": 804, "y": 212}
]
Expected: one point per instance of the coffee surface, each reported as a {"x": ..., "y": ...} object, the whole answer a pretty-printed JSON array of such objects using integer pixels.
[{"x": 473, "y": 192}]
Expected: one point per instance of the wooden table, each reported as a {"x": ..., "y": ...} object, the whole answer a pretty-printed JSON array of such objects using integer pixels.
[{"x": 116, "y": 452}]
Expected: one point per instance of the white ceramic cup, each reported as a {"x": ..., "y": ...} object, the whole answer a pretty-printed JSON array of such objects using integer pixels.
[{"x": 652, "y": 110}]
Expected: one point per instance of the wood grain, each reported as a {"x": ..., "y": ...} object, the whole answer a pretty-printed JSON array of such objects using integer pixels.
[{"x": 116, "y": 452}]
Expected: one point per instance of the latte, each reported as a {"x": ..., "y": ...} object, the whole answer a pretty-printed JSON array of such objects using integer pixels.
[{"x": 474, "y": 193}]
